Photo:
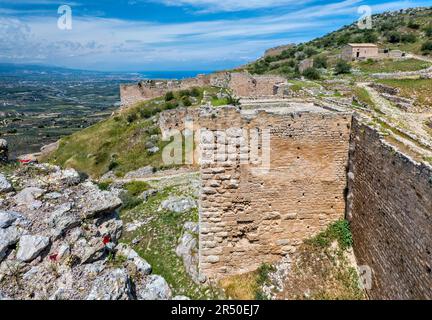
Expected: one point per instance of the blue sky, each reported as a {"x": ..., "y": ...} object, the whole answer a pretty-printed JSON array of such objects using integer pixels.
[{"x": 147, "y": 35}]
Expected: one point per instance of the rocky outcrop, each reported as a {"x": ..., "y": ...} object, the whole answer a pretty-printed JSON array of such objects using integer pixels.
[
  {"x": 5, "y": 185},
  {"x": 178, "y": 204},
  {"x": 58, "y": 240},
  {"x": 4, "y": 151}
]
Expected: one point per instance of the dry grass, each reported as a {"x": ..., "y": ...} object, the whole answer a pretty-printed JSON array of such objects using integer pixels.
[{"x": 241, "y": 287}]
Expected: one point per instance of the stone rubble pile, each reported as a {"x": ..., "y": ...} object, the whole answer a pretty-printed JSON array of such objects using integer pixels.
[{"x": 59, "y": 240}]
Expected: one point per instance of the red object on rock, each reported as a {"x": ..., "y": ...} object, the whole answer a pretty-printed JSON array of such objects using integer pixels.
[
  {"x": 53, "y": 257},
  {"x": 106, "y": 239}
]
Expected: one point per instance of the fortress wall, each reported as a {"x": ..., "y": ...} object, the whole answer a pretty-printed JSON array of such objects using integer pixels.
[
  {"x": 245, "y": 85},
  {"x": 242, "y": 84},
  {"x": 390, "y": 208},
  {"x": 247, "y": 218}
]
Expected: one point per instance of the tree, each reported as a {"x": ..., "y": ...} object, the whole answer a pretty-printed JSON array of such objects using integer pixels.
[
  {"x": 320, "y": 62},
  {"x": 169, "y": 96},
  {"x": 186, "y": 101},
  {"x": 342, "y": 67},
  {"x": 393, "y": 37},
  {"x": 311, "y": 74}
]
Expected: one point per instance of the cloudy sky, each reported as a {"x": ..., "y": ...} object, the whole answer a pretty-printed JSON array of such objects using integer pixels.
[{"x": 144, "y": 35}]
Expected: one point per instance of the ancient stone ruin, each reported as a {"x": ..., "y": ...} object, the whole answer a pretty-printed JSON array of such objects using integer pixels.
[{"x": 324, "y": 164}]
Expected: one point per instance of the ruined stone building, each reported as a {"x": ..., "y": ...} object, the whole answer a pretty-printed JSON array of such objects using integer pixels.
[
  {"x": 324, "y": 164},
  {"x": 360, "y": 51}
]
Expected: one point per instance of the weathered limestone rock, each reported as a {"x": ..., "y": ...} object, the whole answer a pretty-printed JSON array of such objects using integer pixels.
[
  {"x": 66, "y": 178},
  {"x": 4, "y": 151},
  {"x": 31, "y": 246},
  {"x": 142, "y": 172},
  {"x": 96, "y": 202},
  {"x": 131, "y": 255},
  {"x": 8, "y": 237},
  {"x": 113, "y": 285},
  {"x": 178, "y": 204},
  {"x": 62, "y": 219},
  {"x": 154, "y": 287},
  {"x": 147, "y": 194},
  {"x": 188, "y": 251},
  {"x": 28, "y": 197},
  {"x": 7, "y": 218},
  {"x": 5, "y": 185}
]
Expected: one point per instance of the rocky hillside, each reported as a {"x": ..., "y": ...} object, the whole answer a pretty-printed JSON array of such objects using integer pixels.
[
  {"x": 59, "y": 239},
  {"x": 408, "y": 30}
]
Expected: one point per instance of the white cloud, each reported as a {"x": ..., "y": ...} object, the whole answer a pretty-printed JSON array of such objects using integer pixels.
[{"x": 231, "y": 5}]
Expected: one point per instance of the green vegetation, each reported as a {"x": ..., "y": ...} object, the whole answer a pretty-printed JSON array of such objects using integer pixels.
[
  {"x": 135, "y": 188},
  {"x": 342, "y": 67},
  {"x": 338, "y": 231},
  {"x": 427, "y": 47},
  {"x": 420, "y": 89},
  {"x": 158, "y": 238},
  {"x": 311, "y": 74},
  {"x": 119, "y": 143},
  {"x": 363, "y": 96},
  {"x": 248, "y": 286},
  {"x": 388, "y": 65},
  {"x": 407, "y": 31}
]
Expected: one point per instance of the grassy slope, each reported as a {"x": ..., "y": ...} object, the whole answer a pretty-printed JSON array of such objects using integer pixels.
[
  {"x": 419, "y": 89},
  {"x": 119, "y": 143}
]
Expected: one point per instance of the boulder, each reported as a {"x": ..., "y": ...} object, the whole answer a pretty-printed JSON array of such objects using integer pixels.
[
  {"x": 96, "y": 202},
  {"x": 67, "y": 178},
  {"x": 188, "y": 251},
  {"x": 62, "y": 219},
  {"x": 7, "y": 218},
  {"x": 5, "y": 185},
  {"x": 28, "y": 197},
  {"x": 131, "y": 255},
  {"x": 145, "y": 171},
  {"x": 178, "y": 205},
  {"x": 8, "y": 237},
  {"x": 147, "y": 194},
  {"x": 4, "y": 151},
  {"x": 93, "y": 250},
  {"x": 113, "y": 285},
  {"x": 153, "y": 287},
  {"x": 30, "y": 247}
]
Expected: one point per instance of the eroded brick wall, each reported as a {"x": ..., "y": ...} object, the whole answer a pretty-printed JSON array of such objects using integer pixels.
[
  {"x": 248, "y": 219},
  {"x": 390, "y": 208}
]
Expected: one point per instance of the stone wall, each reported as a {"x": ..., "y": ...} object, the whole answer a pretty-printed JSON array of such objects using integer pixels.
[
  {"x": 390, "y": 208},
  {"x": 241, "y": 83},
  {"x": 130, "y": 94},
  {"x": 247, "y": 216},
  {"x": 245, "y": 85}
]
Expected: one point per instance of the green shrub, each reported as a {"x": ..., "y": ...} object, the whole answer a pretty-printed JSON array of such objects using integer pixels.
[
  {"x": 129, "y": 202},
  {"x": 195, "y": 92},
  {"x": 104, "y": 185},
  {"x": 394, "y": 37},
  {"x": 135, "y": 188},
  {"x": 184, "y": 93},
  {"x": 186, "y": 101},
  {"x": 169, "y": 96},
  {"x": 428, "y": 30},
  {"x": 342, "y": 67},
  {"x": 408, "y": 38},
  {"x": 311, "y": 74},
  {"x": 413, "y": 25},
  {"x": 146, "y": 113},
  {"x": 427, "y": 47},
  {"x": 320, "y": 62},
  {"x": 338, "y": 231}
]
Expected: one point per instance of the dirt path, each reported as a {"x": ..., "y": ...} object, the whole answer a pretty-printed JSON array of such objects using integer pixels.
[
  {"x": 422, "y": 58},
  {"x": 414, "y": 123}
]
